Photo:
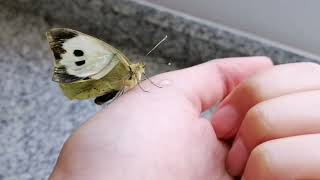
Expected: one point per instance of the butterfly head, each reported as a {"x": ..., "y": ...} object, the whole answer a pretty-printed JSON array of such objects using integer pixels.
[{"x": 138, "y": 70}]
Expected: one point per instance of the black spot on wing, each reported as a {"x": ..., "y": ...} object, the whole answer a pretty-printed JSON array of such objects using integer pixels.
[
  {"x": 78, "y": 53},
  {"x": 80, "y": 63},
  {"x": 105, "y": 98}
]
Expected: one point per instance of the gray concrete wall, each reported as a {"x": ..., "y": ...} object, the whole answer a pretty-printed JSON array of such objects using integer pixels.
[{"x": 294, "y": 23}]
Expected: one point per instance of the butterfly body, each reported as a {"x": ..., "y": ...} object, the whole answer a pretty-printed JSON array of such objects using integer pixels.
[
  {"x": 118, "y": 78},
  {"x": 86, "y": 67}
]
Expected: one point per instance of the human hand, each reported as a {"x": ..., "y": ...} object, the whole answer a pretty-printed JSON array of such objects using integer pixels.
[
  {"x": 158, "y": 135},
  {"x": 275, "y": 117}
]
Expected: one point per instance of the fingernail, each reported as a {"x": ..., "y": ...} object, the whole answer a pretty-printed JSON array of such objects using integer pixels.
[
  {"x": 224, "y": 120},
  {"x": 237, "y": 158}
]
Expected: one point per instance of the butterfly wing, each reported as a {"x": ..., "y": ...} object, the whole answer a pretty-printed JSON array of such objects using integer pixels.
[
  {"x": 109, "y": 97},
  {"x": 105, "y": 98},
  {"x": 80, "y": 57},
  {"x": 113, "y": 81}
]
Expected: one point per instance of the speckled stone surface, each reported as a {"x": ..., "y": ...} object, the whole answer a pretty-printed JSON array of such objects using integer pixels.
[{"x": 35, "y": 118}]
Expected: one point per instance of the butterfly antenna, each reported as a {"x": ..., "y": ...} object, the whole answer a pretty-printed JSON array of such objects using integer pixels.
[
  {"x": 153, "y": 83},
  {"x": 165, "y": 37}
]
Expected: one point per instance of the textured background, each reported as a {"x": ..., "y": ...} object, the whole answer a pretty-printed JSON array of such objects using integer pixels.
[{"x": 35, "y": 118}]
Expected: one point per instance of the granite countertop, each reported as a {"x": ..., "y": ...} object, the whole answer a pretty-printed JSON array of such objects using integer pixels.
[{"x": 36, "y": 119}]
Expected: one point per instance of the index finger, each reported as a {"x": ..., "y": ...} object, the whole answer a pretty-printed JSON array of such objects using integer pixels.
[
  {"x": 275, "y": 82},
  {"x": 207, "y": 83}
]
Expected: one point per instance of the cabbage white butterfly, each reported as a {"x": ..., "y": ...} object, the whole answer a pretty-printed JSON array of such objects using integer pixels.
[{"x": 86, "y": 67}]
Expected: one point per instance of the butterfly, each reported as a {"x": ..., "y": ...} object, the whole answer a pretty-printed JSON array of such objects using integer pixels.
[{"x": 86, "y": 67}]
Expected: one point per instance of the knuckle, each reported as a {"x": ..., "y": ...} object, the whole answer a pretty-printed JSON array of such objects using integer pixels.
[
  {"x": 253, "y": 90},
  {"x": 257, "y": 124},
  {"x": 260, "y": 155},
  {"x": 261, "y": 118},
  {"x": 261, "y": 161},
  {"x": 257, "y": 88}
]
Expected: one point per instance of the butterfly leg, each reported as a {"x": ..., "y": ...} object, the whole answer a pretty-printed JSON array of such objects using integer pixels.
[
  {"x": 141, "y": 87},
  {"x": 132, "y": 82},
  {"x": 153, "y": 83}
]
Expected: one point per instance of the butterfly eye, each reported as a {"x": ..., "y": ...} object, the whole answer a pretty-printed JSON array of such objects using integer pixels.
[
  {"x": 78, "y": 52},
  {"x": 80, "y": 63}
]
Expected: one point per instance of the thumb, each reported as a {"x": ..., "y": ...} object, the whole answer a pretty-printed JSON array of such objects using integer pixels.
[{"x": 208, "y": 83}]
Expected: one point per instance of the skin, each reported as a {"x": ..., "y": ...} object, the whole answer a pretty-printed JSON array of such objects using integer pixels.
[
  {"x": 269, "y": 113},
  {"x": 158, "y": 135},
  {"x": 274, "y": 118}
]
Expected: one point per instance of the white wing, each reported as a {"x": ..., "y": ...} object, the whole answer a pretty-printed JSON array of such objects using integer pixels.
[{"x": 80, "y": 56}]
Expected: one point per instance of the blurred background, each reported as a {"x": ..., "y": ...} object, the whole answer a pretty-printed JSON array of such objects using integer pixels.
[
  {"x": 290, "y": 22},
  {"x": 35, "y": 117}
]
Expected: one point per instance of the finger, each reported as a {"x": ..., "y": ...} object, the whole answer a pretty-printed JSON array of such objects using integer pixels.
[
  {"x": 275, "y": 82},
  {"x": 207, "y": 83},
  {"x": 290, "y": 115},
  {"x": 296, "y": 157}
]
